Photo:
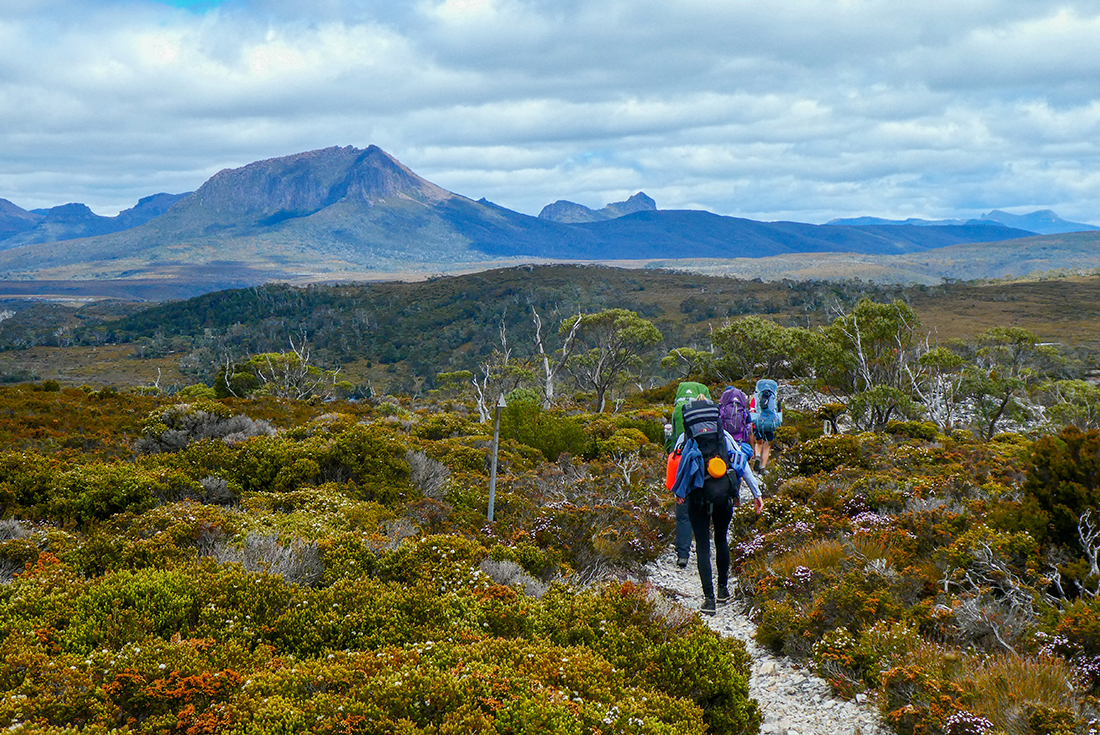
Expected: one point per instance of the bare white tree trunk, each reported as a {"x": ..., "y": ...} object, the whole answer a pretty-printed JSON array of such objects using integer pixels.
[
  {"x": 551, "y": 371},
  {"x": 1090, "y": 542},
  {"x": 489, "y": 370}
]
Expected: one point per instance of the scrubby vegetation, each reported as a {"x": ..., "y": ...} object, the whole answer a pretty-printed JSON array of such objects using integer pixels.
[
  {"x": 248, "y": 567},
  {"x": 261, "y": 553}
]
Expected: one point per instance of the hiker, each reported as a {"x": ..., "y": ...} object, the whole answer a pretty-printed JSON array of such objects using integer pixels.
[
  {"x": 733, "y": 408},
  {"x": 674, "y": 430},
  {"x": 766, "y": 414},
  {"x": 704, "y": 484}
]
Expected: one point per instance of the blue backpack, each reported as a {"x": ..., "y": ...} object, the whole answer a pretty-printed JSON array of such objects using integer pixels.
[{"x": 768, "y": 416}]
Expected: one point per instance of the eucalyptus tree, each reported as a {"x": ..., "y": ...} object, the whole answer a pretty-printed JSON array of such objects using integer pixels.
[
  {"x": 1008, "y": 363},
  {"x": 937, "y": 380},
  {"x": 754, "y": 347},
  {"x": 688, "y": 363},
  {"x": 608, "y": 346},
  {"x": 865, "y": 356},
  {"x": 290, "y": 374},
  {"x": 1073, "y": 403}
]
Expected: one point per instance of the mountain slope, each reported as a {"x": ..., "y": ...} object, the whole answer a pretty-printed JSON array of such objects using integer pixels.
[
  {"x": 1043, "y": 222},
  {"x": 697, "y": 234},
  {"x": 344, "y": 213},
  {"x": 1075, "y": 253},
  {"x": 14, "y": 220}
]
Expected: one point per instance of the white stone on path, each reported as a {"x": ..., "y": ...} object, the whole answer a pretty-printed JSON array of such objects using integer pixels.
[{"x": 792, "y": 699}]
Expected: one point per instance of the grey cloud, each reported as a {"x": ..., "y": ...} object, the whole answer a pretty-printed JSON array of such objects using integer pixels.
[{"x": 805, "y": 109}]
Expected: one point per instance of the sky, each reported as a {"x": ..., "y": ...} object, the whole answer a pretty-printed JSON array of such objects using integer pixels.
[{"x": 802, "y": 110}]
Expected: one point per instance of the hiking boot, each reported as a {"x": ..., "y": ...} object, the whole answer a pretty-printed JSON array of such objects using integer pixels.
[
  {"x": 708, "y": 608},
  {"x": 723, "y": 594},
  {"x": 682, "y": 562}
]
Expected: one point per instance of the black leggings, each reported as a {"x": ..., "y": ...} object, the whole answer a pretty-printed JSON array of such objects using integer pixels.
[{"x": 702, "y": 515}]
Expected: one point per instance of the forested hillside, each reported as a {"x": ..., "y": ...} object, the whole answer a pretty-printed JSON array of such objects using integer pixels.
[{"x": 394, "y": 337}]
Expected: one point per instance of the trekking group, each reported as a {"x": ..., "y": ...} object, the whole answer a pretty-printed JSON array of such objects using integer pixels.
[{"x": 710, "y": 447}]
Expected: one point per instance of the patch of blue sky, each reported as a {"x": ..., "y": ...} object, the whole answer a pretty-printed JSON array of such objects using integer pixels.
[{"x": 192, "y": 4}]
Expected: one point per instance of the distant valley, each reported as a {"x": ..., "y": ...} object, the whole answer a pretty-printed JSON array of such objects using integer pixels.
[{"x": 346, "y": 214}]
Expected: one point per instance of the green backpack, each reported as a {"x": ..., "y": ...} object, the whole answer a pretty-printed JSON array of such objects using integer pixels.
[{"x": 685, "y": 393}]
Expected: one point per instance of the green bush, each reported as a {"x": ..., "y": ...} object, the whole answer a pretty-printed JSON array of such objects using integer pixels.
[
  {"x": 924, "y": 430},
  {"x": 97, "y": 491},
  {"x": 550, "y": 432},
  {"x": 540, "y": 563},
  {"x": 444, "y": 426},
  {"x": 827, "y": 453},
  {"x": 1063, "y": 480},
  {"x": 779, "y": 627},
  {"x": 26, "y": 482}
]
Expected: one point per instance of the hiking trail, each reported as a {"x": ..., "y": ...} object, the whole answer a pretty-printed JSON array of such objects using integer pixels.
[{"x": 793, "y": 700}]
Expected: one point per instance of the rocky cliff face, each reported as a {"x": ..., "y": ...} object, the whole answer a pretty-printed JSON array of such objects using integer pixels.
[{"x": 278, "y": 189}]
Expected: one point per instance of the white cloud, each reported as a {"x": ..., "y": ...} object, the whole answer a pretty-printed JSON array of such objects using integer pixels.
[{"x": 802, "y": 110}]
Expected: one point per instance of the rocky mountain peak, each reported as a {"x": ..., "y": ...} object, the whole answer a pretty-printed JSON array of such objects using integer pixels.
[
  {"x": 571, "y": 212},
  {"x": 301, "y": 184}
]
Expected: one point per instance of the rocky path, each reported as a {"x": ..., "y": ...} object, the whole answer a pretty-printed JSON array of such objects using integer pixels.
[{"x": 793, "y": 699}]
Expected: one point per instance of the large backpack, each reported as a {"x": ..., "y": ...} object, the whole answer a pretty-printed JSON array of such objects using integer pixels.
[
  {"x": 768, "y": 416},
  {"x": 703, "y": 425},
  {"x": 734, "y": 410},
  {"x": 685, "y": 392}
]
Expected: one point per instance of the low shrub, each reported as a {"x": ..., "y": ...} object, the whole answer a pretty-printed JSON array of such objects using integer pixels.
[
  {"x": 444, "y": 426},
  {"x": 923, "y": 430},
  {"x": 174, "y": 427},
  {"x": 827, "y": 453},
  {"x": 296, "y": 561},
  {"x": 549, "y": 432}
]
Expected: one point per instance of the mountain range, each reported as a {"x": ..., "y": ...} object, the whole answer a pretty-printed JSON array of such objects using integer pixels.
[
  {"x": 1041, "y": 222},
  {"x": 345, "y": 213},
  {"x": 71, "y": 221}
]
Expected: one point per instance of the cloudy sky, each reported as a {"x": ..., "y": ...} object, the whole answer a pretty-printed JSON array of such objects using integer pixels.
[{"x": 803, "y": 110}]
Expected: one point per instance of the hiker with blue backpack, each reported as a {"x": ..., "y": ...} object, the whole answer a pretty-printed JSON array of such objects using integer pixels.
[
  {"x": 707, "y": 480},
  {"x": 766, "y": 414}
]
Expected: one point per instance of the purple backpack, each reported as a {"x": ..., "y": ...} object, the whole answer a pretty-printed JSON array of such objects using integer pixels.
[{"x": 733, "y": 409}]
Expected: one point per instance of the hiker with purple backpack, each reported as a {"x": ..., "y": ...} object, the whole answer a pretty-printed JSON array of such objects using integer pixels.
[{"x": 733, "y": 407}]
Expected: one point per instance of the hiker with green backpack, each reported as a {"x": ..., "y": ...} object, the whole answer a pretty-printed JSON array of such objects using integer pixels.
[
  {"x": 706, "y": 483},
  {"x": 685, "y": 392}
]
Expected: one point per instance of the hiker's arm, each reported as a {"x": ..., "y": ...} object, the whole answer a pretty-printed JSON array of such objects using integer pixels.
[
  {"x": 750, "y": 480},
  {"x": 757, "y": 497}
]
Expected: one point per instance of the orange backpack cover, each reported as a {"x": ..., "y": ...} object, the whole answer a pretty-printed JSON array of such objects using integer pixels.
[{"x": 670, "y": 469}]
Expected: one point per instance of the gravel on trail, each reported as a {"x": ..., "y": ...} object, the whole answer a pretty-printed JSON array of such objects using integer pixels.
[{"x": 793, "y": 700}]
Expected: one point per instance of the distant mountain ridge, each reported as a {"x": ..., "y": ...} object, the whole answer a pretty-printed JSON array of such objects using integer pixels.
[
  {"x": 1040, "y": 222},
  {"x": 71, "y": 221},
  {"x": 573, "y": 213},
  {"x": 345, "y": 213}
]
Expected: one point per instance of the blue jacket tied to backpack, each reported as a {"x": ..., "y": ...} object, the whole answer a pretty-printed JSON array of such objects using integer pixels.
[{"x": 692, "y": 471}]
